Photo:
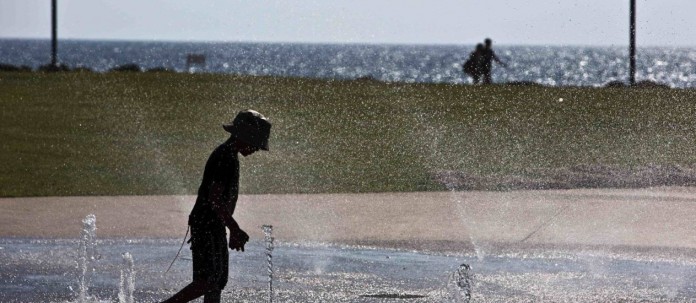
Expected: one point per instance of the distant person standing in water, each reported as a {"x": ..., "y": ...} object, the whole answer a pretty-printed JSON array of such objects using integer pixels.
[
  {"x": 217, "y": 198},
  {"x": 488, "y": 57},
  {"x": 474, "y": 63}
]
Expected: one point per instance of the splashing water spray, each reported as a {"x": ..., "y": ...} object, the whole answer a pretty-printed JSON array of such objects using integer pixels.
[
  {"x": 268, "y": 239},
  {"x": 127, "y": 283},
  {"x": 86, "y": 256},
  {"x": 460, "y": 284}
]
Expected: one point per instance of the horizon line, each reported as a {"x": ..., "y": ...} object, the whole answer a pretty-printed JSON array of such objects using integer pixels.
[{"x": 344, "y": 43}]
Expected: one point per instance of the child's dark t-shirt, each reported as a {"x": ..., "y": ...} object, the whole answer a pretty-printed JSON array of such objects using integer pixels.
[{"x": 222, "y": 167}]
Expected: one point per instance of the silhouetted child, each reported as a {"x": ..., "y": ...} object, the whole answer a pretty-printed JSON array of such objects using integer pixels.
[{"x": 217, "y": 198}]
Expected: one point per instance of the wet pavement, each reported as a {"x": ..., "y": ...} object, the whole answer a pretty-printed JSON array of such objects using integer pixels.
[{"x": 46, "y": 271}]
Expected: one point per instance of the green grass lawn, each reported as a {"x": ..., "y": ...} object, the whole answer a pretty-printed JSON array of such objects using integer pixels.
[{"x": 150, "y": 133}]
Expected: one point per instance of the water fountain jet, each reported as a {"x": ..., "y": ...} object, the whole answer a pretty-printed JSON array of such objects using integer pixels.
[
  {"x": 268, "y": 239},
  {"x": 87, "y": 256},
  {"x": 127, "y": 282},
  {"x": 460, "y": 284}
]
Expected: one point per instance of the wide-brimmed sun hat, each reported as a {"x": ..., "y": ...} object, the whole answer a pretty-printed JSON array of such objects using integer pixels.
[{"x": 251, "y": 127}]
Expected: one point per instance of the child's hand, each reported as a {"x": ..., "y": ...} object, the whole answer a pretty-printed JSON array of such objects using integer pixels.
[{"x": 237, "y": 239}]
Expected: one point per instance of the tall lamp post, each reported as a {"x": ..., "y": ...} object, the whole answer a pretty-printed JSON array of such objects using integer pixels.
[
  {"x": 54, "y": 33},
  {"x": 632, "y": 44}
]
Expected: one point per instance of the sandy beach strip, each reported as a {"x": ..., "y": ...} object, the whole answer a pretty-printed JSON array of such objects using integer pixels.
[{"x": 653, "y": 217}]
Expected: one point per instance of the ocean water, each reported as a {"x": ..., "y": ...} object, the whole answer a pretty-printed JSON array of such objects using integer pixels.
[{"x": 553, "y": 65}]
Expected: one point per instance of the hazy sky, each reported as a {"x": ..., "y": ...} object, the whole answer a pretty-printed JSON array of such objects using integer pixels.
[{"x": 538, "y": 22}]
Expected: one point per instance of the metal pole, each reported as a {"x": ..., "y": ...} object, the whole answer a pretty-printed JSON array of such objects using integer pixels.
[
  {"x": 54, "y": 33},
  {"x": 632, "y": 46}
]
